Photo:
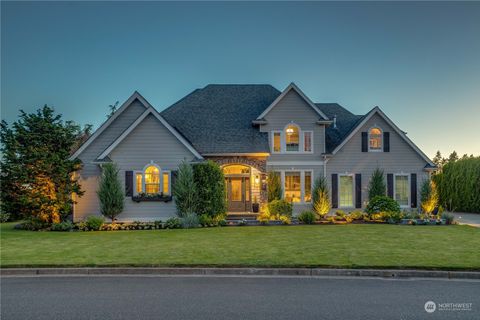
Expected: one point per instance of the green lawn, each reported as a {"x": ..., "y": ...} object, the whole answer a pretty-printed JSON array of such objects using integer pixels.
[{"x": 351, "y": 246}]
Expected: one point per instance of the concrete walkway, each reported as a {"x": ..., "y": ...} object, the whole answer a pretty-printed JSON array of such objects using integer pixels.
[{"x": 471, "y": 219}]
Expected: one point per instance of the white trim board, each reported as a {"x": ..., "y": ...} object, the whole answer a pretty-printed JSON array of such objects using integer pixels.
[
  {"x": 292, "y": 86},
  {"x": 154, "y": 112},
  {"x": 106, "y": 124},
  {"x": 295, "y": 163},
  {"x": 401, "y": 133}
]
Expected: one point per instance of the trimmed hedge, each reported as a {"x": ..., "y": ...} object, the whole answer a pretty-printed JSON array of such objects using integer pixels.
[
  {"x": 459, "y": 185},
  {"x": 211, "y": 189}
]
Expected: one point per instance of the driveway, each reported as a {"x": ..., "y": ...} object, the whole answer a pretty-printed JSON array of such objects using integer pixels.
[
  {"x": 472, "y": 219},
  {"x": 153, "y": 297}
]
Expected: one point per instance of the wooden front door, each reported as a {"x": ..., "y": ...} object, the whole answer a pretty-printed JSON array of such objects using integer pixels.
[{"x": 238, "y": 194}]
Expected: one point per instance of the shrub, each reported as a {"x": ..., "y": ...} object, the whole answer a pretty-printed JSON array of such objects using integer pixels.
[
  {"x": 110, "y": 227},
  {"x": 449, "y": 218},
  {"x": 285, "y": 219},
  {"x": 264, "y": 217},
  {"x": 173, "y": 223},
  {"x": 62, "y": 226},
  {"x": 211, "y": 195},
  {"x": 222, "y": 222},
  {"x": 340, "y": 213},
  {"x": 278, "y": 208},
  {"x": 429, "y": 196},
  {"x": 33, "y": 224},
  {"x": 4, "y": 217},
  {"x": 376, "y": 186},
  {"x": 185, "y": 190},
  {"x": 393, "y": 217},
  {"x": 307, "y": 217},
  {"x": 459, "y": 184},
  {"x": 206, "y": 221},
  {"x": 190, "y": 220},
  {"x": 356, "y": 215},
  {"x": 320, "y": 197},
  {"x": 94, "y": 223},
  {"x": 382, "y": 204},
  {"x": 274, "y": 186},
  {"x": 110, "y": 192}
]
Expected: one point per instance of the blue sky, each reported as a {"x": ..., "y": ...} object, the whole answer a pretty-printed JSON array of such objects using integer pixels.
[{"x": 420, "y": 62}]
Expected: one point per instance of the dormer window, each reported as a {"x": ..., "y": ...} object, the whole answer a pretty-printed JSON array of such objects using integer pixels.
[
  {"x": 375, "y": 139},
  {"x": 292, "y": 138}
]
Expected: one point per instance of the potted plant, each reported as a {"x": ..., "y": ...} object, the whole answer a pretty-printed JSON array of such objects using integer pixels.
[{"x": 255, "y": 205}]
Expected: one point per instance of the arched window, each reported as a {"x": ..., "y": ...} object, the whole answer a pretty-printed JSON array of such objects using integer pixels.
[
  {"x": 152, "y": 180},
  {"x": 292, "y": 138},
  {"x": 375, "y": 139}
]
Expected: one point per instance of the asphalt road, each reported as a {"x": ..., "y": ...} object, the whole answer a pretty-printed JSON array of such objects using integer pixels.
[{"x": 153, "y": 297}]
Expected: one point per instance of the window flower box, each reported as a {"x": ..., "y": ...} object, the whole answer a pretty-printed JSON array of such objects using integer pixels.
[{"x": 160, "y": 197}]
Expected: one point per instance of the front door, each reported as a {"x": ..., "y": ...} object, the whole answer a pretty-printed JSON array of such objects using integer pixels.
[{"x": 238, "y": 194}]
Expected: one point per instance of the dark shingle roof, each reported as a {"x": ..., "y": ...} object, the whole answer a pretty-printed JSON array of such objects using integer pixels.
[
  {"x": 218, "y": 118},
  {"x": 346, "y": 122}
]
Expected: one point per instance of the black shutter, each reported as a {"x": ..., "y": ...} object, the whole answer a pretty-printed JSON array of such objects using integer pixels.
[
  {"x": 174, "y": 178},
  {"x": 390, "y": 185},
  {"x": 386, "y": 142},
  {"x": 413, "y": 190},
  {"x": 358, "y": 190},
  {"x": 334, "y": 190},
  {"x": 364, "y": 142},
  {"x": 128, "y": 183}
]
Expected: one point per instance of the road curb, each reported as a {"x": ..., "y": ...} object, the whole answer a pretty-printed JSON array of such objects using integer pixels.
[{"x": 305, "y": 272}]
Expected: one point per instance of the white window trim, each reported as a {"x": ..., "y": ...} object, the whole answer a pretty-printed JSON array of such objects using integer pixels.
[
  {"x": 408, "y": 188},
  {"x": 339, "y": 190},
  {"x": 161, "y": 172},
  {"x": 311, "y": 141},
  {"x": 381, "y": 139},
  {"x": 273, "y": 141},
  {"x": 283, "y": 140},
  {"x": 302, "y": 183}
]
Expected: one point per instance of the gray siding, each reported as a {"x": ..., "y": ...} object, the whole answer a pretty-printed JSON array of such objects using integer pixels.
[
  {"x": 401, "y": 159},
  {"x": 149, "y": 142},
  {"x": 292, "y": 108},
  {"x": 88, "y": 176}
]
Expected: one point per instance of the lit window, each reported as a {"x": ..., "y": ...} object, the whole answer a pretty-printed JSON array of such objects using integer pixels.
[
  {"x": 375, "y": 139},
  {"x": 292, "y": 186},
  {"x": 346, "y": 191},
  {"x": 292, "y": 138},
  {"x": 307, "y": 141},
  {"x": 166, "y": 189},
  {"x": 152, "y": 180},
  {"x": 401, "y": 190},
  {"x": 276, "y": 142},
  {"x": 138, "y": 179},
  {"x": 308, "y": 186}
]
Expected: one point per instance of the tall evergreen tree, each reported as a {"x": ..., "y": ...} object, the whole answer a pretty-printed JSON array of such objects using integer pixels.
[
  {"x": 185, "y": 190},
  {"x": 36, "y": 173},
  {"x": 376, "y": 186},
  {"x": 453, "y": 156},
  {"x": 110, "y": 192},
  {"x": 274, "y": 186}
]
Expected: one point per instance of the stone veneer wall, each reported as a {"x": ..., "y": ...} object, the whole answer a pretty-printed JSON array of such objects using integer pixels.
[{"x": 259, "y": 165}]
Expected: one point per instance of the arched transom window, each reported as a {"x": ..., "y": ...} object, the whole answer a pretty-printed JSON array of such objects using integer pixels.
[
  {"x": 152, "y": 180},
  {"x": 375, "y": 139}
]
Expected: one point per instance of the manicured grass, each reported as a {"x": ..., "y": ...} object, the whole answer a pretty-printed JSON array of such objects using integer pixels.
[{"x": 351, "y": 246}]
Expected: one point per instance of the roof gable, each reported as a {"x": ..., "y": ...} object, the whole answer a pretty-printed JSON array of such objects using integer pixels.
[
  {"x": 137, "y": 122},
  {"x": 401, "y": 133},
  {"x": 292, "y": 86},
  {"x": 135, "y": 96}
]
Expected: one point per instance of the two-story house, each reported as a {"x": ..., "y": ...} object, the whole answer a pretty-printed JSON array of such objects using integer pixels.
[{"x": 250, "y": 130}]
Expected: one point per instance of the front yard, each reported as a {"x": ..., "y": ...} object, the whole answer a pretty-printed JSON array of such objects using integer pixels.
[{"x": 349, "y": 246}]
